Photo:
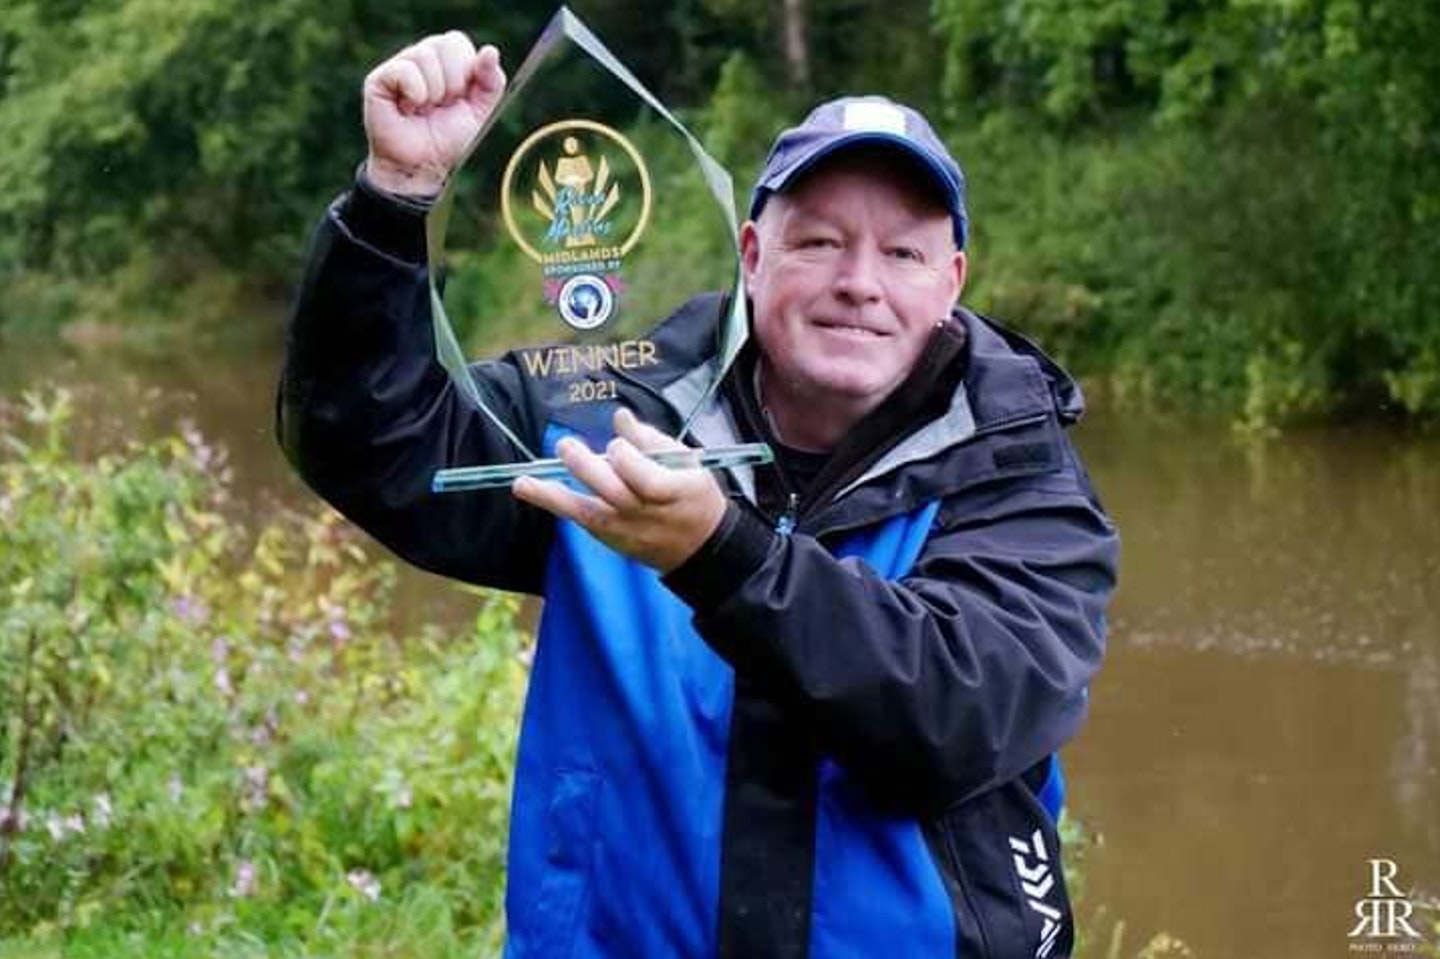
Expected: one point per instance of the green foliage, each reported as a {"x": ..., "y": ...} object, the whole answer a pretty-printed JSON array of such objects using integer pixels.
[
  {"x": 1232, "y": 205},
  {"x": 1311, "y": 127},
  {"x": 1100, "y": 935},
  {"x": 211, "y": 131},
  {"x": 1134, "y": 268},
  {"x": 209, "y": 740},
  {"x": 743, "y": 117}
]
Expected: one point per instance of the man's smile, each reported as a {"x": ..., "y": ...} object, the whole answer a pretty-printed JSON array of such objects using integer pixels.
[{"x": 851, "y": 330}]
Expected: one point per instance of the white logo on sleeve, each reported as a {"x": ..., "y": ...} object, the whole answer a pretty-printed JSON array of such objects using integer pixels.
[{"x": 1037, "y": 880}]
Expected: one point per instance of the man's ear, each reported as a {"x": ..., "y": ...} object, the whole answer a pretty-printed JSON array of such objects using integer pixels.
[
  {"x": 960, "y": 265},
  {"x": 749, "y": 250}
]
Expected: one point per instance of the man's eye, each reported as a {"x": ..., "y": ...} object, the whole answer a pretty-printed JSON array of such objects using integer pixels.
[
  {"x": 817, "y": 242},
  {"x": 908, "y": 253}
]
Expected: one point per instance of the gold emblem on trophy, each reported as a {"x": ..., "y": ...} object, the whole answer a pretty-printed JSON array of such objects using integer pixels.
[{"x": 589, "y": 202}]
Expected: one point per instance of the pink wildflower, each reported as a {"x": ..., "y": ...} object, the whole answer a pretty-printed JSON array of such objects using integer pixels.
[
  {"x": 190, "y": 610},
  {"x": 245, "y": 880},
  {"x": 364, "y": 883},
  {"x": 255, "y": 791}
]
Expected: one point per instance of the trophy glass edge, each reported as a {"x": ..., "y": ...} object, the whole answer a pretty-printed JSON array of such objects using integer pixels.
[{"x": 734, "y": 325}]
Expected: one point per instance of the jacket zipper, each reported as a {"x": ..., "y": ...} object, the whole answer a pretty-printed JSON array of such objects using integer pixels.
[{"x": 785, "y": 525}]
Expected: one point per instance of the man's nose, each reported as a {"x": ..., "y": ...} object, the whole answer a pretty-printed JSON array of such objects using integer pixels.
[{"x": 858, "y": 278}]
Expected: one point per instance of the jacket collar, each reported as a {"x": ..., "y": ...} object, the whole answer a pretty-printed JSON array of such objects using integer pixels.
[{"x": 1008, "y": 379}]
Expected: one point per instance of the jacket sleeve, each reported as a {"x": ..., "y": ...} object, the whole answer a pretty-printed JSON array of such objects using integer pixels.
[
  {"x": 938, "y": 686},
  {"x": 366, "y": 414}
]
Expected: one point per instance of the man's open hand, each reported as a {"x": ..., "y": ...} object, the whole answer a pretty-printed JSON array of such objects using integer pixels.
[
  {"x": 423, "y": 106},
  {"x": 656, "y": 514}
]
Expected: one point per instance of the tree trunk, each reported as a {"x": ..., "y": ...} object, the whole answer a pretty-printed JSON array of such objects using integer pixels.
[{"x": 797, "y": 44}]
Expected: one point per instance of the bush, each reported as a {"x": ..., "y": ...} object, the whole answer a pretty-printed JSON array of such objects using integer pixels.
[
  {"x": 211, "y": 740},
  {"x": 1192, "y": 268}
]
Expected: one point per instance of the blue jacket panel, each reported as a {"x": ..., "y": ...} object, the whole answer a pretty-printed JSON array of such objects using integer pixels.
[
  {"x": 616, "y": 822},
  {"x": 621, "y": 768}
]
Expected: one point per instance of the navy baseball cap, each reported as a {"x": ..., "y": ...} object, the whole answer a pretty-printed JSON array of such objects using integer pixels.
[{"x": 855, "y": 121}]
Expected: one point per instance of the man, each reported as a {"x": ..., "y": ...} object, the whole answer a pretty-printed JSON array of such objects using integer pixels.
[{"x": 809, "y": 711}]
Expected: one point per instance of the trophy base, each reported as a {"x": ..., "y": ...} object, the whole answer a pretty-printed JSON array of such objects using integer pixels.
[{"x": 465, "y": 478}]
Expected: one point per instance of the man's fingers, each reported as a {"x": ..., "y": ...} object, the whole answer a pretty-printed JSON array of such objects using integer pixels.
[
  {"x": 438, "y": 70},
  {"x": 424, "y": 56},
  {"x": 562, "y": 501},
  {"x": 456, "y": 54},
  {"x": 400, "y": 81},
  {"x": 643, "y": 435},
  {"x": 651, "y": 482},
  {"x": 487, "y": 79},
  {"x": 654, "y": 513},
  {"x": 597, "y": 473}
]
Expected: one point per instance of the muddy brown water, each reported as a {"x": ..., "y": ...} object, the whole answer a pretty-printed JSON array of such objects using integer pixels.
[{"x": 1268, "y": 719}]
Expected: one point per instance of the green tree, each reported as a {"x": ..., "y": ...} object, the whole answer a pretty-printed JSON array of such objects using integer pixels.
[
  {"x": 1355, "y": 87},
  {"x": 213, "y": 127}
]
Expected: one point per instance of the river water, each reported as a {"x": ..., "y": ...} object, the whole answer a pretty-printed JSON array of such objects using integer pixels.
[{"x": 1268, "y": 719}]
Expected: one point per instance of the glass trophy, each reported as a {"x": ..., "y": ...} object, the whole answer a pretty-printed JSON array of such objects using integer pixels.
[{"x": 582, "y": 215}]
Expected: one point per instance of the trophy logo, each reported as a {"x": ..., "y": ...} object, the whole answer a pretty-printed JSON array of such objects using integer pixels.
[
  {"x": 588, "y": 193},
  {"x": 585, "y": 301}
]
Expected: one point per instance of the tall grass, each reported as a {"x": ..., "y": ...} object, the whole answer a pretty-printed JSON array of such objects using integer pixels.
[{"x": 212, "y": 742}]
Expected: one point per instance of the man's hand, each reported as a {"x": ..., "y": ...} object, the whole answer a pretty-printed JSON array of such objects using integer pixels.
[
  {"x": 423, "y": 106},
  {"x": 655, "y": 514}
]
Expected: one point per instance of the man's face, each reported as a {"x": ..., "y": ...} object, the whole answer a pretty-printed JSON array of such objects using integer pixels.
[{"x": 849, "y": 271}]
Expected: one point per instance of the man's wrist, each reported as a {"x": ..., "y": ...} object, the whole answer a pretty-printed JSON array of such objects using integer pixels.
[
  {"x": 737, "y": 548},
  {"x": 416, "y": 183},
  {"x": 392, "y": 223}
]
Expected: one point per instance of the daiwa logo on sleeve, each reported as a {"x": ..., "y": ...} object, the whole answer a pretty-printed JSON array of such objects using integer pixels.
[{"x": 1037, "y": 880}]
